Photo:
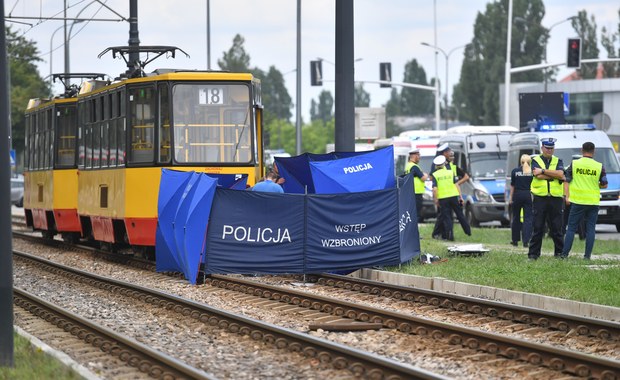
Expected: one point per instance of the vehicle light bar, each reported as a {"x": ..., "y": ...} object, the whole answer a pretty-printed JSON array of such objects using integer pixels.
[{"x": 565, "y": 127}]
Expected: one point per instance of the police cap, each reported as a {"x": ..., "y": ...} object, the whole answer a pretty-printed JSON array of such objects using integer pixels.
[
  {"x": 443, "y": 147},
  {"x": 439, "y": 160},
  {"x": 548, "y": 142}
]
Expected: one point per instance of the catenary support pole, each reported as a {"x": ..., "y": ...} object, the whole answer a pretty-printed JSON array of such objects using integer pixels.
[
  {"x": 344, "y": 94},
  {"x": 6, "y": 244}
]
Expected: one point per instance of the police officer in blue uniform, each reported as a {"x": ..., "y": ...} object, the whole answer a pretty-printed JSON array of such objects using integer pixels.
[
  {"x": 521, "y": 201},
  {"x": 547, "y": 198}
]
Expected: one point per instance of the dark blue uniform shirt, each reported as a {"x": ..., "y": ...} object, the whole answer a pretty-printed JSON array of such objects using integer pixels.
[{"x": 521, "y": 181}]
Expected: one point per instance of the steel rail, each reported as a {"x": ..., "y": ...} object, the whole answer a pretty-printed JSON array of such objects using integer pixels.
[
  {"x": 360, "y": 363},
  {"x": 605, "y": 330},
  {"x": 557, "y": 359},
  {"x": 152, "y": 362}
]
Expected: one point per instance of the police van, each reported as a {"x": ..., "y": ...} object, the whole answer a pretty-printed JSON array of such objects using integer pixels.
[
  {"x": 570, "y": 138},
  {"x": 481, "y": 151}
]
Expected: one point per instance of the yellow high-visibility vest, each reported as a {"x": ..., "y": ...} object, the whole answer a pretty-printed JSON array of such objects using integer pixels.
[
  {"x": 445, "y": 184},
  {"x": 584, "y": 188},
  {"x": 543, "y": 187}
]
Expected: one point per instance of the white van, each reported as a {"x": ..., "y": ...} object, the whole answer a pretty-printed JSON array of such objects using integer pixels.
[
  {"x": 570, "y": 138},
  {"x": 481, "y": 151}
]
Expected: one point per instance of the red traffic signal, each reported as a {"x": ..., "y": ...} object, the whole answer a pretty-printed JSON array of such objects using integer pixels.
[{"x": 573, "y": 58}]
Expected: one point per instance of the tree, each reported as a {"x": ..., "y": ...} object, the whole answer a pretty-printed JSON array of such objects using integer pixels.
[
  {"x": 323, "y": 109},
  {"x": 276, "y": 99},
  {"x": 26, "y": 83},
  {"x": 586, "y": 30},
  {"x": 362, "y": 98},
  {"x": 608, "y": 40},
  {"x": 236, "y": 60},
  {"x": 275, "y": 96},
  {"x": 484, "y": 64},
  {"x": 415, "y": 101}
]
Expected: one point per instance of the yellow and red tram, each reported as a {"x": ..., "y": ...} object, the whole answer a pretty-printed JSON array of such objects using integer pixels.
[{"x": 130, "y": 129}]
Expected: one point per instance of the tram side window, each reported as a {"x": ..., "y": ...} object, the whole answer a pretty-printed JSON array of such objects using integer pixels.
[
  {"x": 105, "y": 141},
  {"x": 121, "y": 138},
  {"x": 164, "y": 124},
  {"x": 67, "y": 129},
  {"x": 142, "y": 124}
]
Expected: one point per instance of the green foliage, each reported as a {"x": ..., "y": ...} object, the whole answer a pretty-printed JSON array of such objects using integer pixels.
[
  {"x": 32, "y": 363},
  {"x": 484, "y": 64},
  {"x": 362, "y": 98},
  {"x": 507, "y": 267},
  {"x": 411, "y": 101},
  {"x": 608, "y": 40},
  {"x": 317, "y": 135},
  {"x": 323, "y": 110},
  {"x": 276, "y": 99},
  {"x": 236, "y": 60},
  {"x": 586, "y": 30},
  {"x": 26, "y": 83}
]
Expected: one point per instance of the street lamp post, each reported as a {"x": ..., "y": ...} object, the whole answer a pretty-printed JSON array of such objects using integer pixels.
[
  {"x": 447, "y": 57},
  {"x": 507, "y": 72}
]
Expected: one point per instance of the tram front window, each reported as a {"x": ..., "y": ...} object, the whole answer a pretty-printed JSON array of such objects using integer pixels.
[{"x": 212, "y": 123}]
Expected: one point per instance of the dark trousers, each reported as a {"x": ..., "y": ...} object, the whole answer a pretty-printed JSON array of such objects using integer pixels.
[
  {"x": 581, "y": 230},
  {"x": 418, "y": 206},
  {"x": 444, "y": 224},
  {"x": 521, "y": 200},
  {"x": 549, "y": 210},
  {"x": 581, "y": 214}
]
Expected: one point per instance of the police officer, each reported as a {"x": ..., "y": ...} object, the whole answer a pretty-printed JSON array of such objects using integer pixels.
[
  {"x": 447, "y": 196},
  {"x": 547, "y": 192},
  {"x": 418, "y": 179},
  {"x": 585, "y": 178},
  {"x": 521, "y": 201},
  {"x": 461, "y": 177}
]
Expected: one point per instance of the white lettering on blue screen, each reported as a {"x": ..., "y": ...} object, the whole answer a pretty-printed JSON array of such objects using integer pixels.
[
  {"x": 357, "y": 168},
  {"x": 256, "y": 235},
  {"x": 350, "y": 227}
]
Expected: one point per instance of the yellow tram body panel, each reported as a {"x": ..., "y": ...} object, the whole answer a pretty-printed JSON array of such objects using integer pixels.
[
  {"x": 38, "y": 190},
  {"x": 129, "y": 196},
  {"x": 66, "y": 189}
]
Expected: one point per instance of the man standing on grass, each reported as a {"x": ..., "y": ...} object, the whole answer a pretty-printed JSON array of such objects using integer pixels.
[
  {"x": 418, "y": 179},
  {"x": 547, "y": 195},
  {"x": 585, "y": 178}
]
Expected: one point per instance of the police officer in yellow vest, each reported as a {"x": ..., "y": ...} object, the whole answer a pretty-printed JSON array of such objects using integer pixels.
[
  {"x": 447, "y": 196},
  {"x": 418, "y": 179},
  {"x": 461, "y": 177},
  {"x": 547, "y": 198},
  {"x": 585, "y": 178}
]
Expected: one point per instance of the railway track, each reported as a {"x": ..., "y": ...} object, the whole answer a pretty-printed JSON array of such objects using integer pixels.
[
  {"x": 87, "y": 339},
  {"x": 336, "y": 356},
  {"x": 329, "y": 314},
  {"x": 560, "y": 360}
]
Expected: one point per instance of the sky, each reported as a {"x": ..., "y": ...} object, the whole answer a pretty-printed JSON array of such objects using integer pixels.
[{"x": 384, "y": 31}]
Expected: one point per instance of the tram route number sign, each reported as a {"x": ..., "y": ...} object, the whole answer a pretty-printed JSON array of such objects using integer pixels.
[{"x": 211, "y": 96}]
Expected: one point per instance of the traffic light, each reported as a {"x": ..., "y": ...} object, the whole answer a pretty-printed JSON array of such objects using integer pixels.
[
  {"x": 385, "y": 73},
  {"x": 316, "y": 73},
  {"x": 573, "y": 59}
]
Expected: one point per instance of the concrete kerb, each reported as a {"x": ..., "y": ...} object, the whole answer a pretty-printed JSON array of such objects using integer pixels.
[
  {"x": 58, "y": 355},
  {"x": 555, "y": 304}
]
